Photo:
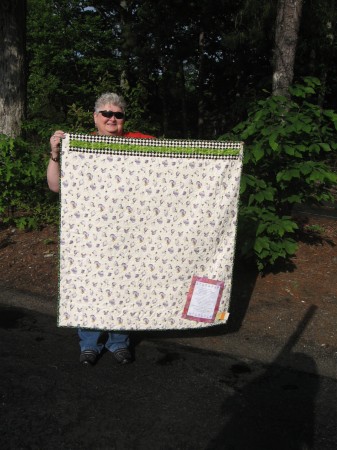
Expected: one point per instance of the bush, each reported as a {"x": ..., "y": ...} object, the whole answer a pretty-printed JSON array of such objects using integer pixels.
[
  {"x": 288, "y": 147},
  {"x": 24, "y": 198}
]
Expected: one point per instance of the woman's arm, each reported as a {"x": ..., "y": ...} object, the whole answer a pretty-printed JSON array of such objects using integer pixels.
[{"x": 53, "y": 170}]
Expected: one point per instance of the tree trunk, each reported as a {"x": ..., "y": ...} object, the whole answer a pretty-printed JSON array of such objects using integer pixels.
[
  {"x": 287, "y": 27},
  {"x": 12, "y": 66}
]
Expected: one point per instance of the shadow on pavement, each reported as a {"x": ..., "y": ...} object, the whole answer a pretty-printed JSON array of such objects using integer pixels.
[{"x": 276, "y": 410}]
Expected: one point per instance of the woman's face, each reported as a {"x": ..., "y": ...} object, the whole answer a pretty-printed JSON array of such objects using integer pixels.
[{"x": 110, "y": 126}]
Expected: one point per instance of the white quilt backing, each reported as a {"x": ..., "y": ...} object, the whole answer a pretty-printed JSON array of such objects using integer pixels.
[{"x": 147, "y": 228}]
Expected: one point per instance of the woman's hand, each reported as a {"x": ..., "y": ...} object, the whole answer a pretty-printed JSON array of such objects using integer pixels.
[{"x": 55, "y": 142}]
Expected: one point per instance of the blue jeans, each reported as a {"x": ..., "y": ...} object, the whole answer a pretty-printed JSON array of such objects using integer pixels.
[{"x": 89, "y": 339}]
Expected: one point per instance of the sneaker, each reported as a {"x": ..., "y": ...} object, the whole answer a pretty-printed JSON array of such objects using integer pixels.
[
  {"x": 88, "y": 357},
  {"x": 122, "y": 356}
]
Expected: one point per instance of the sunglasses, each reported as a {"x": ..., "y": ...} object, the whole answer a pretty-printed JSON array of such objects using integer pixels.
[{"x": 109, "y": 114}]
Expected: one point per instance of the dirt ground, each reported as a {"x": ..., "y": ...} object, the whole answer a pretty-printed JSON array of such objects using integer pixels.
[{"x": 29, "y": 262}]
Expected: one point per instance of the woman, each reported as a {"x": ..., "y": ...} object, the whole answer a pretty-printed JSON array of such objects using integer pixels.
[{"x": 109, "y": 118}]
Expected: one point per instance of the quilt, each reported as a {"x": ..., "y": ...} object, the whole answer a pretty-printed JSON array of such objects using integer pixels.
[{"x": 147, "y": 232}]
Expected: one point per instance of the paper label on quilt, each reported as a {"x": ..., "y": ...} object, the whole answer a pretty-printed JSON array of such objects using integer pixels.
[{"x": 203, "y": 299}]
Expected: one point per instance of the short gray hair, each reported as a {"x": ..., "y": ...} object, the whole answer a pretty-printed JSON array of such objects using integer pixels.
[{"x": 110, "y": 98}]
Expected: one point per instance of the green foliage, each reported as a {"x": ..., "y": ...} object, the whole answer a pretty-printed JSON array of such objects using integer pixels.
[
  {"x": 24, "y": 199},
  {"x": 136, "y": 99},
  {"x": 150, "y": 52},
  {"x": 287, "y": 144},
  {"x": 79, "y": 120},
  {"x": 314, "y": 229}
]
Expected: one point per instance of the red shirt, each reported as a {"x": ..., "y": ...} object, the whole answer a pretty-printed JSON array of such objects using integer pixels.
[
  {"x": 132, "y": 134},
  {"x": 137, "y": 134}
]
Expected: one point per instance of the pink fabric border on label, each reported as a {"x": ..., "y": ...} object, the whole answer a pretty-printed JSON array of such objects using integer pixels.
[{"x": 205, "y": 280}]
